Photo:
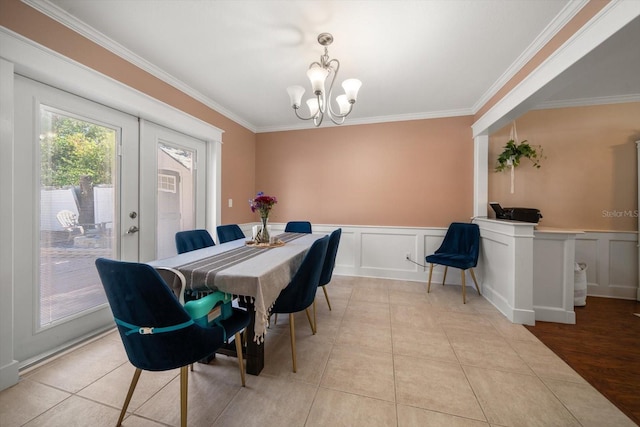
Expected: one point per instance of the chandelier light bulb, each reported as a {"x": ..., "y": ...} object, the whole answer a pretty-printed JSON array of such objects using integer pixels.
[
  {"x": 312, "y": 103},
  {"x": 295, "y": 95},
  {"x": 351, "y": 88},
  {"x": 343, "y": 103},
  {"x": 317, "y": 76}
]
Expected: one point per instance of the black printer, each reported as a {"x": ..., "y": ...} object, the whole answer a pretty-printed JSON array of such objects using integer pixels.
[{"x": 516, "y": 214}]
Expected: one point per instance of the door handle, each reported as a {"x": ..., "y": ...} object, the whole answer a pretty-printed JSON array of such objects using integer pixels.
[{"x": 133, "y": 229}]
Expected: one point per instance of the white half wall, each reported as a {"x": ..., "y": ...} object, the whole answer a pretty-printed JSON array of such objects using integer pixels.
[
  {"x": 526, "y": 272},
  {"x": 510, "y": 252},
  {"x": 553, "y": 276},
  {"x": 506, "y": 267}
]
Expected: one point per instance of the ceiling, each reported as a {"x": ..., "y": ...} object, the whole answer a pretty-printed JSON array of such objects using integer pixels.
[{"x": 415, "y": 58}]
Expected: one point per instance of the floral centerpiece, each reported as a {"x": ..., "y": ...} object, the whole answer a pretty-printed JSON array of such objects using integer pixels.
[{"x": 263, "y": 205}]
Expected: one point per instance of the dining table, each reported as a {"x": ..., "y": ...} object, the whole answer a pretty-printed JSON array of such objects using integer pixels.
[{"x": 254, "y": 273}]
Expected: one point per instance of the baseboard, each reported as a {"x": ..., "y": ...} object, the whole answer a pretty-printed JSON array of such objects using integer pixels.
[
  {"x": 554, "y": 314},
  {"x": 9, "y": 375}
]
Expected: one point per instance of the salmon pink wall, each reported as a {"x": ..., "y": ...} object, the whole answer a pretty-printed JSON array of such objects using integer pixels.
[
  {"x": 238, "y": 174},
  {"x": 588, "y": 180},
  {"x": 413, "y": 173},
  {"x": 238, "y": 148}
]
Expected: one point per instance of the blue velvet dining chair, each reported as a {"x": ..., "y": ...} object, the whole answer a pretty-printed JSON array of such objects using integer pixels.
[
  {"x": 190, "y": 240},
  {"x": 459, "y": 249},
  {"x": 229, "y": 232},
  {"x": 300, "y": 293},
  {"x": 298, "y": 227},
  {"x": 157, "y": 332},
  {"x": 330, "y": 262}
]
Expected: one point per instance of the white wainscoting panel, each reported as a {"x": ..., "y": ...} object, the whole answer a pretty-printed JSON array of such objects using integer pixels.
[
  {"x": 379, "y": 251},
  {"x": 612, "y": 263},
  {"x": 553, "y": 276},
  {"x": 384, "y": 252}
]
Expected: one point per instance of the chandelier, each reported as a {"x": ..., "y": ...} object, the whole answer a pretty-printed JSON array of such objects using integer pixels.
[{"x": 321, "y": 73}]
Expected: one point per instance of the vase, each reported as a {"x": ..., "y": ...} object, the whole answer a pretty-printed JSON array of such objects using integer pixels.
[{"x": 263, "y": 233}]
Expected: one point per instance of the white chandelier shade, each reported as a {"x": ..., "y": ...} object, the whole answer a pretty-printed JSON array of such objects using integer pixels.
[
  {"x": 317, "y": 76},
  {"x": 320, "y": 75}
]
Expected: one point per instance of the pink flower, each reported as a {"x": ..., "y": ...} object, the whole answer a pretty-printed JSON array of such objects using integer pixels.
[{"x": 262, "y": 204}]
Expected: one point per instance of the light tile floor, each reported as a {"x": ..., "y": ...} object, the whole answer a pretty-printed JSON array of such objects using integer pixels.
[{"x": 388, "y": 354}]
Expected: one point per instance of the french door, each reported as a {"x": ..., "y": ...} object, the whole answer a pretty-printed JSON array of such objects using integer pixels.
[
  {"x": 91, "y": 182},
  {"x": 172, "y": 183},
  {"x": 76, "y": 199}
]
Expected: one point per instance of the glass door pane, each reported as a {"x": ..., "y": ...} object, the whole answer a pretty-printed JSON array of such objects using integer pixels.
[
  {"x": 76, "y": 212},
  {"x": 176, "y": 191}
]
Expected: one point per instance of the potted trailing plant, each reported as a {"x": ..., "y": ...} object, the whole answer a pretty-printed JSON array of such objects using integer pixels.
[{"x": 513, "y": 152}]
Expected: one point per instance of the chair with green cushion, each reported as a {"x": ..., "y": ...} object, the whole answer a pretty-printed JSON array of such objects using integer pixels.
[{"x": 157, "y": 332}]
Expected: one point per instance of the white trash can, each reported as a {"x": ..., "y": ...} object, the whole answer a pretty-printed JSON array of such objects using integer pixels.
[{"x": 580, "y": 284}]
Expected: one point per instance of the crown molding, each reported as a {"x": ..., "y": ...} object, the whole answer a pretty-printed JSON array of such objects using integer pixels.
[
  {"x": 373, "y": 120},
  {"x": 90, "y": 33},
  {"x": 565, "y": 15},
  {"x": 585, "y": 102}
]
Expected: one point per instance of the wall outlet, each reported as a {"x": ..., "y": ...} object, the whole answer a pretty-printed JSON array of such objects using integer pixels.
[{"x": 407, "y": 255}]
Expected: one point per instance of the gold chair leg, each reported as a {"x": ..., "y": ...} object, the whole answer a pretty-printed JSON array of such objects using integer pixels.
[
  {"x": 127, "y": 400},
  {"x": 464, "y": 286},
  {"x": 292, "y": 332},
  {"x": 238, "y": 339},
  {"x": 326, "y": 296},
  {"x": 315, "y": 319},
  {"x": 446, "y": 267},
  {"x": 430, "y": 273},
  {"x": 313, "y": 330},
  {"x": 184, "y": 387},
  {"x": 275, "y": 319},
  {"x": 473, "y": 276}
]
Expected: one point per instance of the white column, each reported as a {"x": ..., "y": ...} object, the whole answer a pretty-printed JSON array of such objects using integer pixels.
[
  {"x": 214, "y": 184},
  {"x": 480, "y": 175}
]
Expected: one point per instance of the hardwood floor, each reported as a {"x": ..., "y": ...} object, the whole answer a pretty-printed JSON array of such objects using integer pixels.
[{"x": 603, "y": 347}]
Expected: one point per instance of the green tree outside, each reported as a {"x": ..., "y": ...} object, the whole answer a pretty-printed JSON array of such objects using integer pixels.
[{"x": 72, "y": 149}]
